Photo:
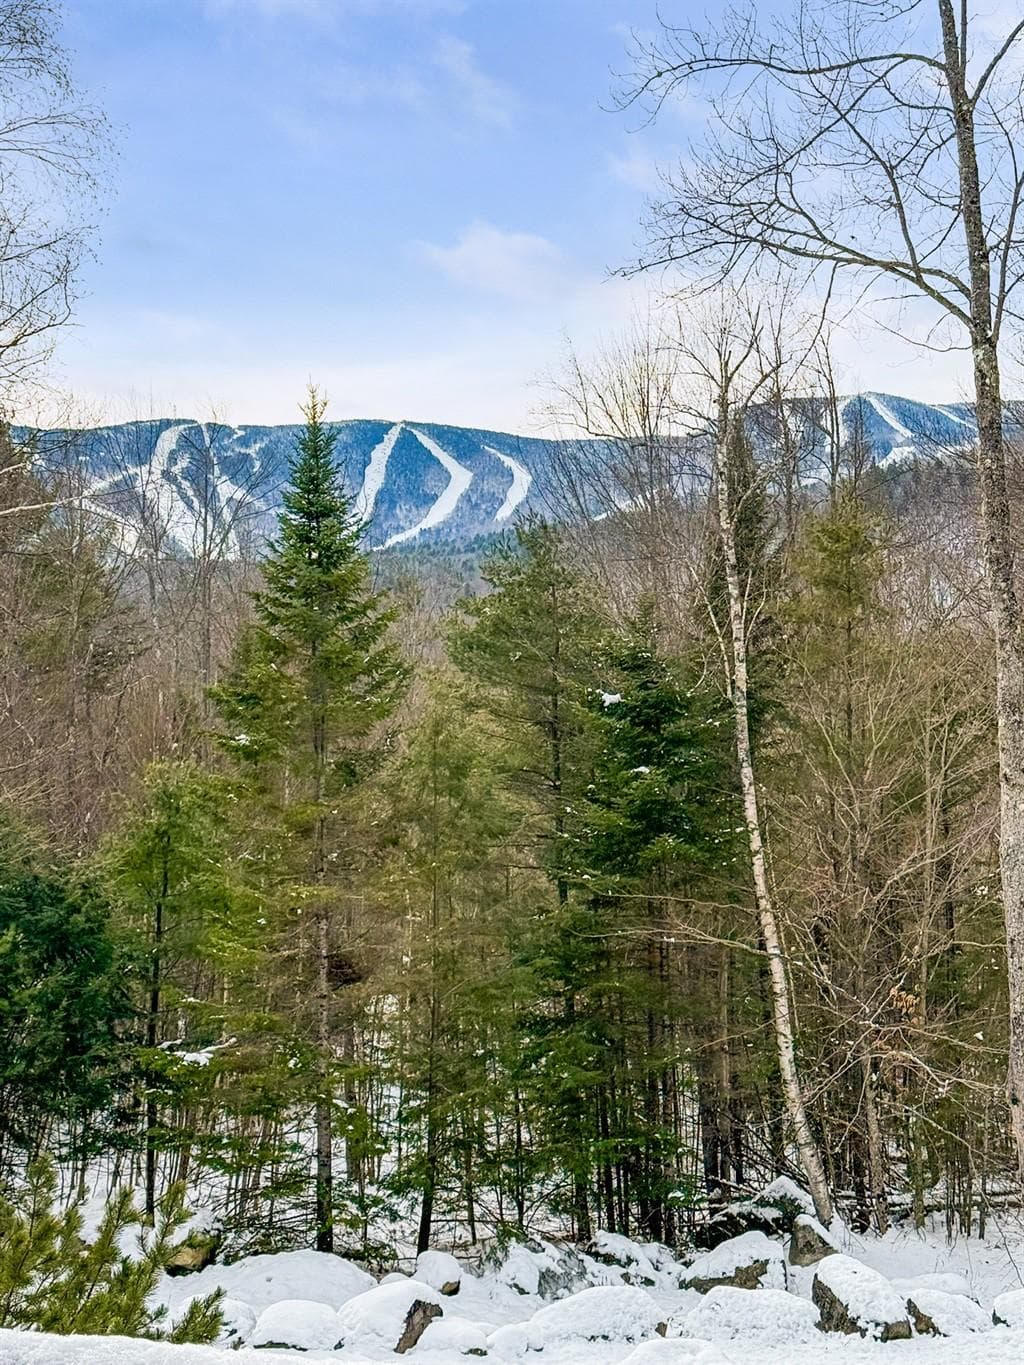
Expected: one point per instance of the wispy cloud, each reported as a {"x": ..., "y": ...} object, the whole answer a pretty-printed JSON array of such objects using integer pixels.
[
  {"x": 636, "y": 168},
  {"x": 517, "y": 265},
  {"x": 485, "y": 99}
]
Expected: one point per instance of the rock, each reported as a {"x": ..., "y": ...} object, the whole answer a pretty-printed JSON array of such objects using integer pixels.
[
  {"x": 238, "y": 1322},
  {"x": 296, "y": 1325},
  {"x": 420, "y": 1315},
  {"x": 612, "y": 1250},
  {"x": 606, "y": 1312},
  {"x": 678, "y": 1351},
  {"x": 772, "y": 1211},
  {"x": 809, "y": 1242},
  {"x": 455, "y": 1336},
  {"x": 196, "y": 1252},
  {"x": 393, "y": 1316},
  {"x": 535, "y": 1267},
  {"x": 441, "y": 1271},
  {"x": 854, "y": 1299},
  {"x": 938, "y": 1314},
  {"x": 1008, "y": 1309},
  {"x": 750, "y": 1261},
  {"x": 769, "y": 1317}
]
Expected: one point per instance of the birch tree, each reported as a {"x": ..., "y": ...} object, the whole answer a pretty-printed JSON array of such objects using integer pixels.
[{"x": 882, "y": 144}]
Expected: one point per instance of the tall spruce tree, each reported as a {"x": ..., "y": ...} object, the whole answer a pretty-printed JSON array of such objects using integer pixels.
[{"x": 311, "y": 680}]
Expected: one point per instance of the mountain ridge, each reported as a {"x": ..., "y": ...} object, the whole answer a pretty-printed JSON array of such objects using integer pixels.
[{"x": 410, "y": 481}]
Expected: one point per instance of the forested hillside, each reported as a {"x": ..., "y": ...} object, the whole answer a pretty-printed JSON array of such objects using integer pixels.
[
  {"x": 344, "y": 908},
  {"x": 484, "y": 895}
]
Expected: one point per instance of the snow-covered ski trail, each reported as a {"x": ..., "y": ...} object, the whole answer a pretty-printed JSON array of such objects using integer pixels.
[
  {"x": 459, "y": 479},
  {"x": 517, "y": 489}
]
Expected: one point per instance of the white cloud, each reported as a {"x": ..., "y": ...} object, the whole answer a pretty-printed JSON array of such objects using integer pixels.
[
  {"x": 517, "y": 265},
  {"x": 487, "y": 100},
  {"x": 637, "y": 169}
]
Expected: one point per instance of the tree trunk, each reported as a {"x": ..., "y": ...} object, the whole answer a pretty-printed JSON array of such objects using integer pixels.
[
  {"x": 810, "y": 1158},
  {"x": 999, "y": 556}
]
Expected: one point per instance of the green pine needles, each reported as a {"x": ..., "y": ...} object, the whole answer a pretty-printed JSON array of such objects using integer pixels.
[{"x": 51, "y": 1280}]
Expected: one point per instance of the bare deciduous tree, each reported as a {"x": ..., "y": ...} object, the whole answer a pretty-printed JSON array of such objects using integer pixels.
[{"x": 883, "y": 142}]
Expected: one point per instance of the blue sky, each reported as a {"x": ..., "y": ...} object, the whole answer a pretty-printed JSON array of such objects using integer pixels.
[{"x": 410, "y": 201}]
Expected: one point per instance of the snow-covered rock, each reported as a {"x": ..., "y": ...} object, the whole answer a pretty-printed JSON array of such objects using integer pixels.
[
  {"x": 853, "y": 1298},
  {"x": 938, "y": 1314},
  {"x": 603, "y": 1313},
  {"x": 771, "y": 1211},
  {"x": 441, "y": 1271},
  {"x": 297, "y": 1325},
  {"x": 677, "y": 1351},
  {"x": 750, "y": 1261},
  {"x": 1008, "y": 1308},
  {"x": 391, "y": 1315},
  {"x": 540, "y": 1268},
  {"x": 945, "y": 1280},
  {"x": 513, "y": 1340},
  {"x": 809, "y": 1242},
  {"x": 454, "y": 1336},
  {"x": 613, "y": 1249},
  {"x": 771, "y": 1317},
  {"x": 238, "y": 1320},
  {"x": 262, "y": 1280}
]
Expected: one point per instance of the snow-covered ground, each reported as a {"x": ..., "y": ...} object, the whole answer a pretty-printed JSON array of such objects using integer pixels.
[{"x": 620, "y": 1303}]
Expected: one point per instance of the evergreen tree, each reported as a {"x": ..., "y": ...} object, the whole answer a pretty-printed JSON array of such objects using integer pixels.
[
  {"x": 61, "y": 1005},
  {"x": 449, "y": 872},
  {"x": 310, "y": 681},
  {"x": 531, "y": 644},
  {"x": 168, "y": 870}
]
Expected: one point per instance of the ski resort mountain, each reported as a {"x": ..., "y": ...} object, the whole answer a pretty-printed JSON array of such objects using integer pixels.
[{"x": 410, "y": 481}]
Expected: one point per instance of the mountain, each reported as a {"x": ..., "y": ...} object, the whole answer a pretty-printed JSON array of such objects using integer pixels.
[{"x": 413, "y": 482}]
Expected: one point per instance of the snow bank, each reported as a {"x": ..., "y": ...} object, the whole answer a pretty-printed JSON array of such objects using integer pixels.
[
  {"x": 767, "y": 1316},
  {"x": 262, "y": 1280},
  {"x": 604, "y": 1313},
  {"x": 300, "y": 1324}
]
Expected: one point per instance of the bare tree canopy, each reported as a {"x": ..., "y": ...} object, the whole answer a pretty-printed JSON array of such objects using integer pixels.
[
  {"x": 881, "y": 139},
  {"x": 838, "y": 139},
  {"x": 52, "y": 150}
]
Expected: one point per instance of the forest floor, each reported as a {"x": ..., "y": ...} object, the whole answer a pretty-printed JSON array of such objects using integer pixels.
[{"x": 607, "y": 1312}]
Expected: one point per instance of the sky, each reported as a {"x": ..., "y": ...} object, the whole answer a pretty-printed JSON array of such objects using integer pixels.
[{"x": 412, "y": 203}]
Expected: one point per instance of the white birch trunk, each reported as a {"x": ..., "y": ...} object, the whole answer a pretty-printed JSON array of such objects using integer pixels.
[{"x": 807, "y": 1148}]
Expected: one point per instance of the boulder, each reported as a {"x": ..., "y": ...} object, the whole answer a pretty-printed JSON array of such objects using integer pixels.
[
  {"x": 770, "y": 1317},
  {"x": 196, "y": 1252},
  {"x": 394, "y": 1316},
  {"x": 854, "y": 1299},
  {"x": 296, "y": 1325},
  {"x": 455, "y": 1336},
  {"x": 938, "y": 1314},
  {"x": 659, "y": 1351},
  {"x": 1008, "y": 1309},
  {"x": 607, "y": 1312},
  {"x": 772, "y": 1211},
  {"x": 237, "y": 1322},
  {"x": 536, "y": 1267},
  {"x": 750, "y": 1261},
  {"x": 441, "y": 1271},
  {"x": 613, "y": 1250},
  {"x": 809, "y": 1242}
]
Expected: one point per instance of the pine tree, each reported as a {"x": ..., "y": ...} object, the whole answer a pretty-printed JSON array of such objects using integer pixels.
[
  {"x": 61, "y": 1006},
  {"x": 187, "y": 915},
  {"x": 312, "y": 678}
]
